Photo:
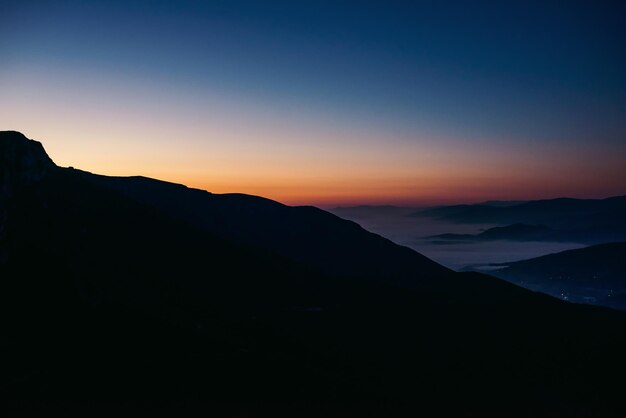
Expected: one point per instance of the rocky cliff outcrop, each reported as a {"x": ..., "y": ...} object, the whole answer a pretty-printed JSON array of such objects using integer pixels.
[{"x": 22, "y": 162}]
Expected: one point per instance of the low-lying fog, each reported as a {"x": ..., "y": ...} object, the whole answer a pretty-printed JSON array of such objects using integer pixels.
[{"x": 402, "y": 227}]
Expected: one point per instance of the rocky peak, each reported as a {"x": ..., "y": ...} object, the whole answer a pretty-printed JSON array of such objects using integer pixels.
[{"x": 22, "y": 161}]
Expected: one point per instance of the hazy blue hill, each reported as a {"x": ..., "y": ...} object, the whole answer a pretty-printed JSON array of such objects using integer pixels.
[
  {"x": 368, "y": 209},
  {"x": 121, "y": 295},
  {"x": 595, "y": 274},
  {"x": 374, "y": 208},
  {"x": 515, "y": 232},
  {"x": 503, "y": 203},
  {"x": 577, "y": 220}
]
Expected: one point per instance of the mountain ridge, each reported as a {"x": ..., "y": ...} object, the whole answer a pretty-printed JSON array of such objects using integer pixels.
[
  {"x": 513, "y": 232},
  {"x": 589, "y": 221},
  {"x": 592, "y": 274}
]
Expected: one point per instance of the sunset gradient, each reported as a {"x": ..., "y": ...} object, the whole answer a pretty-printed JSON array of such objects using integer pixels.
[{"x": 358, "y": 111}]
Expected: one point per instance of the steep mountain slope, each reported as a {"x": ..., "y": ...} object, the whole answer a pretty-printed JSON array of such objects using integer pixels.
[
  {"x": 122, "y": 295},
  {"x": 306, "y": 234},
  {"x": 595, "y": 274}
]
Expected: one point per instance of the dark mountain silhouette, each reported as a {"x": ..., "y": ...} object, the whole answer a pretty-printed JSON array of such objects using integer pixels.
[
  {"x": 515, "y": 232},
  {"x": 503, "y": 203},
  {"x": 128, "y": 296},
  {"x": 306, "y": 234},
  {"x": 590, "y": 221},
  {"x": 367, "y": 209},
  {"x": 595, "y": 274}
]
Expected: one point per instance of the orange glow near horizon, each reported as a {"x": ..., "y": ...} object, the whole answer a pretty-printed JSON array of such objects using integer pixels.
[
  {"x": 315, "y": 180},
  {"x": 226, "y": 144}
]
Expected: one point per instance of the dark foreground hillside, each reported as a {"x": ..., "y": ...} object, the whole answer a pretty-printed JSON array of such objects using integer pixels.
[{"x": 127, "y": 297}]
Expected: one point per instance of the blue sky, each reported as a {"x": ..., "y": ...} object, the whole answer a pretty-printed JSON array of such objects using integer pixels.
[{"x": 511, "y": 77}]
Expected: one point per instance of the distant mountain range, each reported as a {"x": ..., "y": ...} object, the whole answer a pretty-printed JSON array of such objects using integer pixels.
[
  {"x": 366, "y": 211},
  {"x": 595, "y": 274},
  {"x": 515, "y": 232},
  {"x": 130, "y": 294},
  {"x": 574, "y": 220}
]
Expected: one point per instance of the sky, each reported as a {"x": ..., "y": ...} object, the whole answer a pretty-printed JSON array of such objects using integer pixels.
[{"x": 326, "y": 103}]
